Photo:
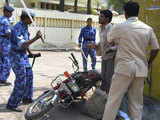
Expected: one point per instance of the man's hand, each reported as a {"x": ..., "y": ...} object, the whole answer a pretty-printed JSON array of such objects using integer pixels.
[
  {"x": 92, "y": 46},
  {"x": 149, "y": 65},
  {"x": 112, "y": 43},
  {"x": 79, "y": 45},
  {"x": 38, "y": 35},
  {"x": 153, "y": 54},
  {"x": 29, "y": 52}
]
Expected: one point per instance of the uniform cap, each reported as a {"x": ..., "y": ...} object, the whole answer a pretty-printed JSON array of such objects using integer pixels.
[
  {"x": 24, "y": 12},
  {"x": 9, "y": 8}
]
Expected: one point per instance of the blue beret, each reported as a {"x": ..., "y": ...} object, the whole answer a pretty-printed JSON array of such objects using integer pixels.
[{"x": 9, "y": 8}]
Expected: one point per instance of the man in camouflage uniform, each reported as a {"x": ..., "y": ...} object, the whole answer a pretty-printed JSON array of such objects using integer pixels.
[
  {"x": 20, "y": 41},
  {"x": 5, "y": 31},
  {"x": 88, "y": 34}
]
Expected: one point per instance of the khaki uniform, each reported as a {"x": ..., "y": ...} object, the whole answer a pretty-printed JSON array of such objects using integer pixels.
[{"x": 131, "y": 66}]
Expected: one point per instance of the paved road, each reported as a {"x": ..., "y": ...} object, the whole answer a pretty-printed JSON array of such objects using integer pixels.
[{"x": 46, "y": 68}]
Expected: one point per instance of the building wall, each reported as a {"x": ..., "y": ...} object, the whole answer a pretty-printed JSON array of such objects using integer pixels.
[
  {"x": 50, "y": 3},
  {"x": 61, "y": 29},
  {"x": 152, "y": 17},
  {"x": 1, "y": 6}
]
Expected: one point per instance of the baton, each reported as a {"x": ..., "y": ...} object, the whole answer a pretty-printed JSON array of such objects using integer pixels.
[
  {"x": 25, "y": 7},
  {"x": 34, "y": 56},
  {"x": 83, "y": 54}
]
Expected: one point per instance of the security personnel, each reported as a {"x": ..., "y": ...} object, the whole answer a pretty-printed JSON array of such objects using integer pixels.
[
  {"x": 5, "y": 31},
  {"x": 20, "y": 41},
  {"x": 131, "y": 64},
  {"x": 88, "y": 33}
]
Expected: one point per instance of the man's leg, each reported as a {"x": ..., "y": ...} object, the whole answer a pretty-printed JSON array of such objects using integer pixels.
[
  {"x": 92, "y": 53},
  {"x": 5, "y": 68},
  {"x": 1, "y": 60},
  {"x": 118, "y": 88},
  {"x": 19, "y": 86},
  {"x": 85, "y": 50},
  {"x": 1, "y": 67},
  {"x": 136, "y": 99},
  {"x": 29, "y": 84},
  {"x": 103, "y": 74},
  {"x": 107, "y": 73}
]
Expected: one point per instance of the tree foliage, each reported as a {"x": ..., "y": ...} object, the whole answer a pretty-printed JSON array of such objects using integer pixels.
[
  {"x": 75, "y": 6},
  {"x": 89, "y": 7},
  {"x": 61, "y": 5},
  {"x": 117, "y": 4}
]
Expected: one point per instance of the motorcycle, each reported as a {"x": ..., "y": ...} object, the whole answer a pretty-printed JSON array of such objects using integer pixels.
[{"x": 66, "y": 88}]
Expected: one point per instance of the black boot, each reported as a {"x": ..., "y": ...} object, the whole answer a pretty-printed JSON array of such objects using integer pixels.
[
  {"x": 4, "y": 83},
  {"x": 27, "y": 101},
  {"x": 14, "y": 109}
]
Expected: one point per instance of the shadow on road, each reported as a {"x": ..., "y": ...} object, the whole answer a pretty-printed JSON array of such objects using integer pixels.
[
  {"x": 41, "y": 89},
  {"x": 72, "y": 113},
  {"x": 3, "y": 108}
]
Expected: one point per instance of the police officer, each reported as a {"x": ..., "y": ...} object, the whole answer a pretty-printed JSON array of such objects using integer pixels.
[
  {"x": 88, "y": 33},
  {"x": 20, "y": 41},
  {"x": 131, "y": 64},
  {"x": 5, "y": 31}
]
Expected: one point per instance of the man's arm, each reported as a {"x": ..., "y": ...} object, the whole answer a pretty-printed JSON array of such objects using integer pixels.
[
  {"x": 29, "y": 51},
  {"x": 7, "y": 29},
  {"x": 155, "y": 47},
  {"x": 113, "y": 38},
  {"x": 19, "y": 38},
  {"x": 80, "y": 37},
  {"x": 153, "y": 55},
  {"x": 28, "y": 42},
  {"x": 113, "y": 35},
  {"x": 95, "y": 35}
]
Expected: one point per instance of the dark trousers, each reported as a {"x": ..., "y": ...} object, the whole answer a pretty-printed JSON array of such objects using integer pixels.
[
  {"x": 92, "y": 53},
  {"x": 23, "y": 87},
  {"x": 107, "y": 68}
]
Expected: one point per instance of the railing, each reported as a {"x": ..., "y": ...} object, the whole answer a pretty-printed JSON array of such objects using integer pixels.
[{"x": 60, "y": 23}]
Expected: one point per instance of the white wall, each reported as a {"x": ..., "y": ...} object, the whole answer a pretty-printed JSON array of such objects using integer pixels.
[{"x": 59, "y": 37}]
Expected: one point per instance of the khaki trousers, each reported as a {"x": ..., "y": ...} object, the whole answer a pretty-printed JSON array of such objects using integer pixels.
[{"x": 120, "y": 84}]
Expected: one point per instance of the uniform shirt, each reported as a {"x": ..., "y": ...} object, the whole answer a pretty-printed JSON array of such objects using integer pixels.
[
  {"x": 134, "y": 37},
  {"x": 104, "y": 45},
  {"x": 4, "y": 29},
  {"x": 19, "y": 35},
  {"x": 4, "y": 26},
  {"x": 87, "y": 33}
]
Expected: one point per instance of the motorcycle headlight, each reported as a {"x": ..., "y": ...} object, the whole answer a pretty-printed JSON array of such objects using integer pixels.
[{"x": 74, "y": 87}]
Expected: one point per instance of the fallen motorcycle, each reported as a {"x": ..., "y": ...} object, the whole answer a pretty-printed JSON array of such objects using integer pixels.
[{"x": 66, "y": 88}]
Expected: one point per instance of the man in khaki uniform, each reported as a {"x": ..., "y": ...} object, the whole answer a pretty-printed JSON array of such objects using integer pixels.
[{"x": 131, "y": 65}]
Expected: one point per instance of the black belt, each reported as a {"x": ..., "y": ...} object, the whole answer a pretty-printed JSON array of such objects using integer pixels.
[
  {"x": 19, "y": 51},
  {"x": 88, "y": 39},
  {"x": 3, "y": 35}
]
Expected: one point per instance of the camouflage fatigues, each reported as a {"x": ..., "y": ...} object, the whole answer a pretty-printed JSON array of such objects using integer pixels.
[
  {"x": 4, "y": 48},
  {"x": 23, "y": 88}
]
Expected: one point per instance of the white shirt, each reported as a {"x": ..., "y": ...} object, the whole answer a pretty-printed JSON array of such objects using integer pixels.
[
  {"x": 134, "y": 37},
  {"x": 104, "y": 45}
]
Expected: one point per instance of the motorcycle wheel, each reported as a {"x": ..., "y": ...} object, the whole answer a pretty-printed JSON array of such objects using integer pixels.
[{"x": 40, "y": 106}]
